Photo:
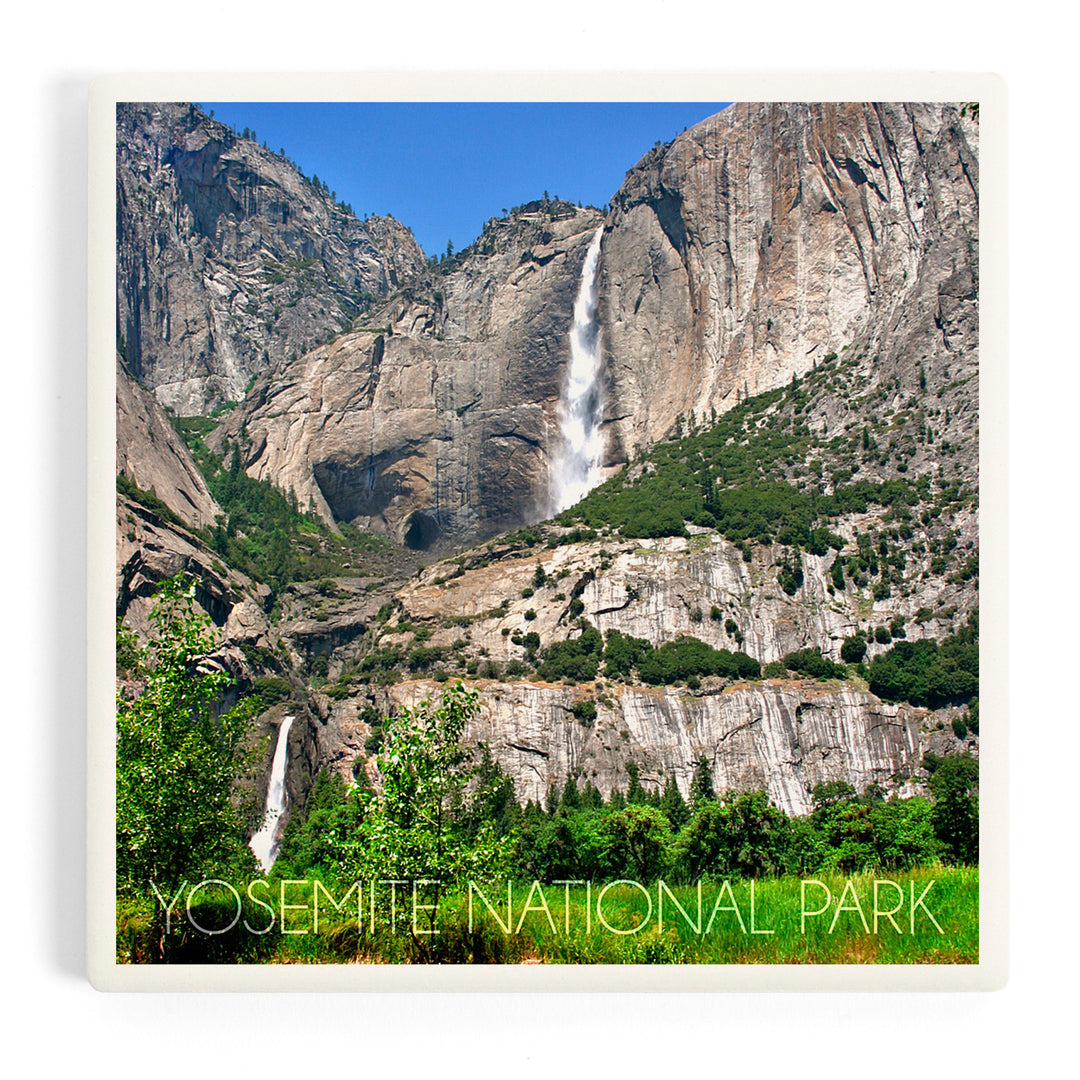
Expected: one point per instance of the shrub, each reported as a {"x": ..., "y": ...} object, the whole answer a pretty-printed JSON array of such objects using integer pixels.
[
  {"x": 574, "y": 660},
  {"x": 810, "y": 662},
  {"x": 926, "y": 673},
  {"x": 272, "y": 689},
  {"x": 854, "y": 648},
  {"x": 585, "y": 712}
]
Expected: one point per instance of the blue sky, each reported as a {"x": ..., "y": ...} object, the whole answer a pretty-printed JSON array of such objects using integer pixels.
[{"x": 444, "y": 168}]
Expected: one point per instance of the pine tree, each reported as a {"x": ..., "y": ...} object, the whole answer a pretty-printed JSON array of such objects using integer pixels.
[
  {"x": 571, "y": 797},
  {"x": 635, "y": 793},
  {"x": 701, "y": 787},
  {"x": 591, "y": 799},
  {"x": 673, "y": 805}
]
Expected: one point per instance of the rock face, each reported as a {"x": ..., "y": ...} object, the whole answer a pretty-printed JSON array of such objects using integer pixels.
[
  {"x": 149, "y": 550},
  {"x": 433, "y": 423},
  {"x": 782, "y": 737},
  {"x": 660, "y": 590},
  {"x": 150, "y": 453},
  {"x": 229, "y": 260},
  {"x": 770, "y": 235},
  {"x": 422, "y": 402},
  {"x": 761, "y": 241},
  {"x": 474, "y": 614}
]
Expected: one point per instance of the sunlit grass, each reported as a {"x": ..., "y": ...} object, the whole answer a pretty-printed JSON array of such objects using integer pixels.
[{"x": 613, "y": 924}]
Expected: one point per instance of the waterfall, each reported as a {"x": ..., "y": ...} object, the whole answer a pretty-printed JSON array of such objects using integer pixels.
[
  {"x": 265, "y": 842},
  {"x": 576, "y": 467}
]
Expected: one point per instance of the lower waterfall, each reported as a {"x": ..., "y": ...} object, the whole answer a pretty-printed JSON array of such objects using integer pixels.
[{"x": 266, "y": 841}]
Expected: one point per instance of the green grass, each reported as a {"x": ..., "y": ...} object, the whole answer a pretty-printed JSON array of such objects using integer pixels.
[
  {"x": 831, "y": 938},
  {"x": 953, "y": 901}
]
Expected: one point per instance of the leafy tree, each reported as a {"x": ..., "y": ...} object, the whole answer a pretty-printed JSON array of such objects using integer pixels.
[
  {"x": 756, "y": 833},
  {"x": 179, "y": 756},
  {"x": 955, "y": 785},
  {"x": 829, "y": 792},
  {"x": 745, "y": 835},
  {"x": 640, "y": 839},
  {"x": 904, "y": 833},
  {"x": 423, "y": 825},
  {"x": 846, "y": 828}
]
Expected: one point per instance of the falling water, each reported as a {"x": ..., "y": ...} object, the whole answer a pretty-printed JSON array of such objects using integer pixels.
[
  {"x": 577, "y": 464},
  {"x": 265, "y": 842}
]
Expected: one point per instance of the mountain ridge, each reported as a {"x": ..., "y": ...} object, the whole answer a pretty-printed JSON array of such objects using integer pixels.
[
  {"x": 229, "y": 259},
  {"x": 789, "y": 316}
]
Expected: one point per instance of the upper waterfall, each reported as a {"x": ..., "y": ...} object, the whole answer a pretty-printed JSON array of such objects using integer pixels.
[{"x": 576, "y": 464}]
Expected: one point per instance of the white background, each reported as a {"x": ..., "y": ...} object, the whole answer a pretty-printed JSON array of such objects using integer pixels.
[{"x": 51, "y": 1012}]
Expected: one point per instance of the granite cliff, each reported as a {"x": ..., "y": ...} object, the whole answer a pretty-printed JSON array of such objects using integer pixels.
[
  {"x": 152, "y": 455},
  {"x": 826, "y": 251},
  {"x": 769, "y": 236},
  {"x": 229, "y": 260},
  {"x": 754, "y": 245},
  {"x": 431, "y": 421}
]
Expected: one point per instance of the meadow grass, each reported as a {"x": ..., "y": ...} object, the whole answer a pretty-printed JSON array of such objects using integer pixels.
[
  {"x": 723, "y": 930},
  {"x": 580, "y": 924}
]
